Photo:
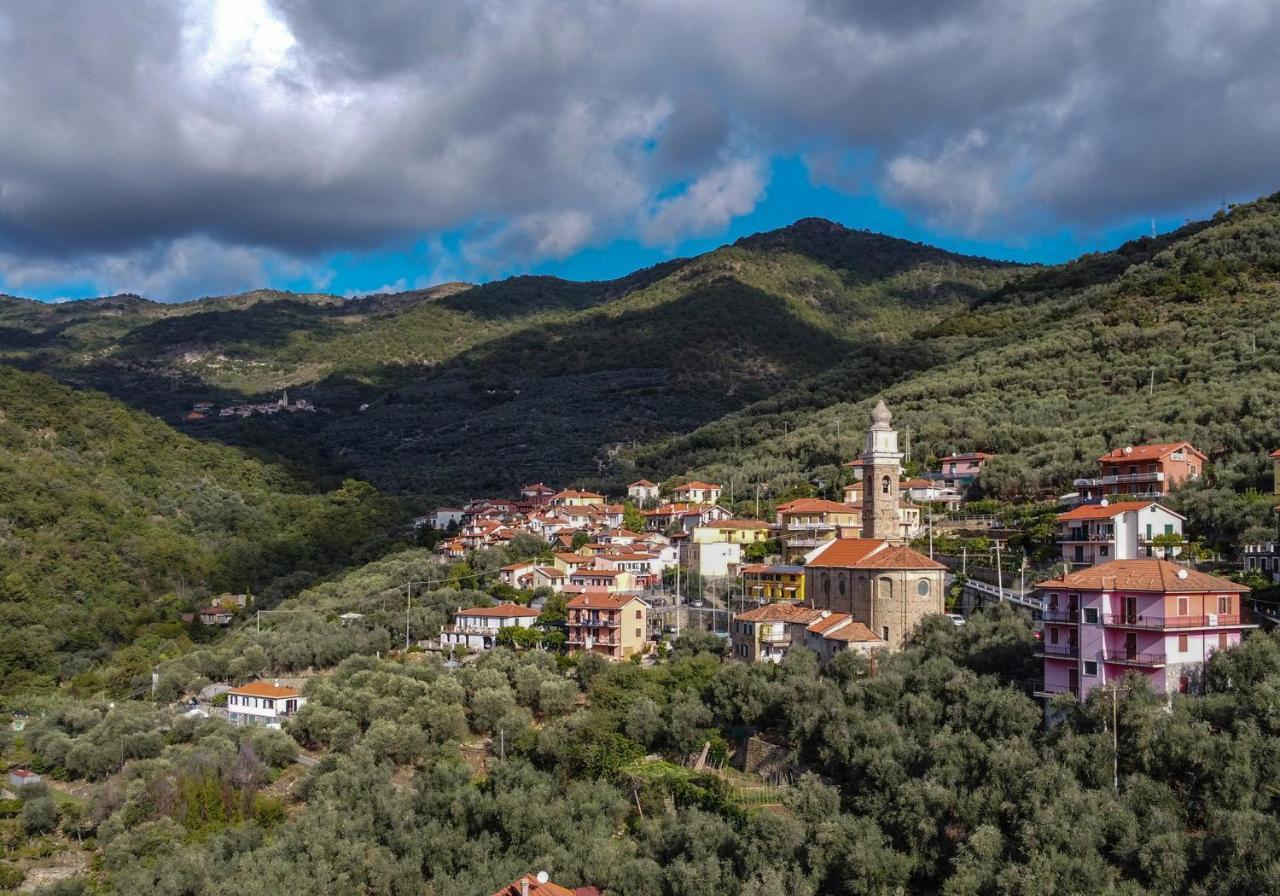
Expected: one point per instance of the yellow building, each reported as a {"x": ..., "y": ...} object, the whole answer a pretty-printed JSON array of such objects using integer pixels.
[
  {"x": 772, "y": 583},
  {"x": 615, "y": 626},
  {"x": 732, "y": 531}
]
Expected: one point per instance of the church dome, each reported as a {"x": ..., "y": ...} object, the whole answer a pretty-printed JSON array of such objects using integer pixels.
[{"x": 881, "y": 415}]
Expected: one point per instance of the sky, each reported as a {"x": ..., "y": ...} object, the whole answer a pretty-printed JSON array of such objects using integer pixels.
[{"x": 181, "y": 148}]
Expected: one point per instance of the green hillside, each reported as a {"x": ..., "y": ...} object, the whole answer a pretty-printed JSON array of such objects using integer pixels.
[
  {"x": 1177, "y": 337},
  {"x": 111, "y": 523},
  {"x": 538, "y": 377}
]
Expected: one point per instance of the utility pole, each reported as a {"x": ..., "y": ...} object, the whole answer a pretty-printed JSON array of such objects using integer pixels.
[
  {"x": 408, "y": 604},
  {"x": 1151, "y": 389},
  {"x": 999, "y": 573},
  {"x": 931, "y": 534},
  {"x": 1115, "y": 741}
]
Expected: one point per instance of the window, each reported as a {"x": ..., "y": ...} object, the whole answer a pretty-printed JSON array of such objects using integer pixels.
[
  {"x": 1224, "y": 605},
  {"x": 1053, "y": 635},
  {"x": 1091, "y": 615},
  {"x": 884, "y": 632},
  {"x": 884, "y": 486},
  {"x": 1168, "y": 528},
  {"x": 1090, "y": 667},
  {"x": 1102, "y": 550},
  {"x": 1182, "y": 643},
  {"x": 1184, "y": 606},
  {"x": 923, "y": 587},
  {"x": 1222, "y": 641},
  {"x": 1184, "y": 684},
  {"x": 637, "y": 614},
  {"x": 638, "y": 634},
  {"x": 1053, "y": 601}
]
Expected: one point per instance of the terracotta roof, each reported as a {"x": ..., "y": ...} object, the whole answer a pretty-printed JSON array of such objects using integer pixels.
[
  {"x": 738, "y": 524},
  {"x": 512, "y": 567},
  {"x": 574, "y": 493},
  {"x": 516, "y": 888},
  {"x": 1099, "y": 512},
  {"x": 644, "y": 483},
  {"x": 697, "y": 485},
  {"x": 871, "y": 553},
  {"x": 972, "y": 455},
  {"x": 847, "y": 551},
  {"x": 854, "y": 631},
  {"x": 915, "y": 483},
  {"x": 901, "y": 557},
  {"x": 599, "y": 599},
  {"x": 1160, "y": 576},
  {"x": 1275, "y": 453},
  {"x": 827, "y": 622},
  {"x": 752, "y": 568},
  {"x": 797, "y": 613},
  {"x": 599, "y": 573},
  {"x": 815, "y": 505},
  {"x": 501, "y": 611},
  {"x": 571, "y": 558},
  {"x": 1148, "y": 452},
  {"x": 265, "y": 689},
  {"x": 550, "y": 572}
]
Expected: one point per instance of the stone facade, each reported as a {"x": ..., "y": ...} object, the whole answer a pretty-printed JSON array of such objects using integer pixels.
[
  {"x": 890, "y": 602},
  {"x": 881, "y": 463}
]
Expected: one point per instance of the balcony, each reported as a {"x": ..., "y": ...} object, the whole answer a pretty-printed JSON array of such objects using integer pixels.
[
  {"x": 594, "y": 623},
  {"x": 1171, "y": 623},
  {"x": 1072, "y": 616},
  {"x": 1130, "y": 478},
  {"x": 1058, "y": 651},
  {"x": 1137, "y": 660}
]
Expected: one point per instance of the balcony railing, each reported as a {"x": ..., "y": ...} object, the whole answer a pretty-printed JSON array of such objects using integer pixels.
[
  {"x": 594, "y": 623},
  {"x": 1058, "y": 651},
  {"x": 1143, "y": 660},
  {"x": 1055, "y": 690},
  {"x": 1154, "y": 623},
  {"x": 1061, "y": 615}
]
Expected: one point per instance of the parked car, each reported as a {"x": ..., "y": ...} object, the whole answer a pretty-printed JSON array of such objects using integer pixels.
[{"x": 956, "y": 618}]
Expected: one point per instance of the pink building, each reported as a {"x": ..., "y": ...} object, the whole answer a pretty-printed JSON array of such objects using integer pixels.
[
  {"x": 1148, "y": 616},
  {"x": 1144, "y": 471},
  {"x": 960, "y": 470}
]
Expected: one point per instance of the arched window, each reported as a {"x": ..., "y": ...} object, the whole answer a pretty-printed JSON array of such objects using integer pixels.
[
  {"x": 923, "y": 587},
  {"x": 884, "y": 486}
]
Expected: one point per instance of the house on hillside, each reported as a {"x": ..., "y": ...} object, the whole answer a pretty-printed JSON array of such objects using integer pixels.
[
  {"x": 612, "y": 625},
  {"x": 959, "y": 471},
  {"x": 263, "y": 703},
  {"x": 711, "y": 559},
  {"x": 766, "y": 634},
  {"x": 731, "y": 530},
  {"x": 696, "y": 492},
  {"x": 215, "y": 615},
  {"x": 576, "y": 498},
  {"x": 1150, "y": 617},
  {"x": 538, "y": 494},
  {"x": 22, "y": 777},
  {"x": 1142, "y": 471},
  {"x": 540, "y": 885},
  {"x": 1125, "y": 530},
  {"x": 476, "y": 628},
  {"x": 643, "y": 492},
  {"x": 612, "y": 581}
]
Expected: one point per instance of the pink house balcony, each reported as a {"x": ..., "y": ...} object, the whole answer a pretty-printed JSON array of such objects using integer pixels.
[
  {"x": 1162, "y": 623},
  {"x": 1058, "y": 651},
  {"x": 1135, "y": 659}
]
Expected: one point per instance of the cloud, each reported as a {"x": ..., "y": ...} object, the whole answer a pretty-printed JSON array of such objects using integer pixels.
[
  {"x": 266, "y": 132},
  {"x": 707, "y": 206}
]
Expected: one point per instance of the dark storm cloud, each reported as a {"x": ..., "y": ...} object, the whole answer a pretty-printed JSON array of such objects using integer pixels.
[{"x": 159, "y": 141}]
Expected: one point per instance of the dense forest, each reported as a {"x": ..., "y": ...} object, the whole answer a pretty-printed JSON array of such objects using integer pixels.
[
  {"x": 112, "y": 523},
  {"x": 929, "y": 773}
]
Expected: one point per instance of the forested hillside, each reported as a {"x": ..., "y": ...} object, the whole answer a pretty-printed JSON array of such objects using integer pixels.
[
  {"x": 1177, "y": 337},
  {"x": 756, "y": 362},
  {"x": 554, "y": 375},
  {"x": 111, "y": 522}
]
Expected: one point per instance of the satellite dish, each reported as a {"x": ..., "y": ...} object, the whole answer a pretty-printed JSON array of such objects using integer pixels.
[
  {"x": 1182, "y": 573},
  {"x": 1128, "y": 449},
  {"x": 1104, "y": 503},
  {"x": 543, "y": 877}
]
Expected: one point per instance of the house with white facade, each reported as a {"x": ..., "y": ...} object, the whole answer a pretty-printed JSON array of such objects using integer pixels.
[
  {"x": 263, "y": 703},
  {"x": 1126, "y": 530},
  {"x": 477, "y": 628}
]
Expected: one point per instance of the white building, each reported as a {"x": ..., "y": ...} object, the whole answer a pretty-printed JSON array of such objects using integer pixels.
[
  {"x": 642, "y": 491},
  {"x": 711, "y": 558},
  {"x": 445, "y": 517},
  {"x": 477, "y": 628},
  {"x": 1099, "y": 533},
  {"x": 262, "y": 703},
  {"x": 1263, "y": 559},
  {"x": 697, "y": 492}
]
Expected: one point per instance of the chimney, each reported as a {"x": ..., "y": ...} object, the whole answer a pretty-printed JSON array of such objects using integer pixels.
[{"x": 524, "y": 886}]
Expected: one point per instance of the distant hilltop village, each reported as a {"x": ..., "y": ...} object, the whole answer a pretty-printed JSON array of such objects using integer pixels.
[{"x": 202, "y": 410}]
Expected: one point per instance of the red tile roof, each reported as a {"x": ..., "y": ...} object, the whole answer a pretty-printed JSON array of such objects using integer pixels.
[
  {"x": 1099, "y": 512},
  {"x": 698, "y": 485},
  {"x": 643, "y": 483},
  {"x": 1160, "y": 576},
  {"x": 265, "y": 689},
  {"x": 501, "y": 611},
  {"x": 1148, "y": 452},
  {"x": 599, "y": 599},
  {"x": 972, "y": 455},
  {"x": 797, "y": 613},
  {"x": 854, "y": 632},
  {"x": 871, "y": 553},
  {"x": 517, "y": 888},
  {"x": 1275, "y": 453},
  {"x": 828, "y": 621},
  {"x": 816, "y": 505},
  {"x": 738, "y": 524}
]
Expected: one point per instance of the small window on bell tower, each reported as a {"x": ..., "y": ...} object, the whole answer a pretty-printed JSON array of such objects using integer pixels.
[{"x": 884, "y": 486}]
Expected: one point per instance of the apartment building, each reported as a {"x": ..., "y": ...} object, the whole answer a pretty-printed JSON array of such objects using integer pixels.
[
  {"x": 1126, "y": 530},
  {"x": 1143, "y": 471},
  {"x": 612, "y": 625}
]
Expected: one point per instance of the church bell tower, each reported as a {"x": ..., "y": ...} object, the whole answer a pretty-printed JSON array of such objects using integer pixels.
[{"x": 881, "y": 468}]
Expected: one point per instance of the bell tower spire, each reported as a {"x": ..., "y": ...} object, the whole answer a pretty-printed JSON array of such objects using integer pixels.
[{"x": 881, "y": 467}]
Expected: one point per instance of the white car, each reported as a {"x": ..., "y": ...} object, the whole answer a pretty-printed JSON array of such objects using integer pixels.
[{"x": 955, "y": 618}]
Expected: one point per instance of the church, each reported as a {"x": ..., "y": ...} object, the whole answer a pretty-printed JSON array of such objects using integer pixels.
[{"x": 877, "y": 578}]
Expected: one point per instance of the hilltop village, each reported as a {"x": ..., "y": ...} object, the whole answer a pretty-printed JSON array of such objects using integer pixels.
[{"x": 862, "y": 573}]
